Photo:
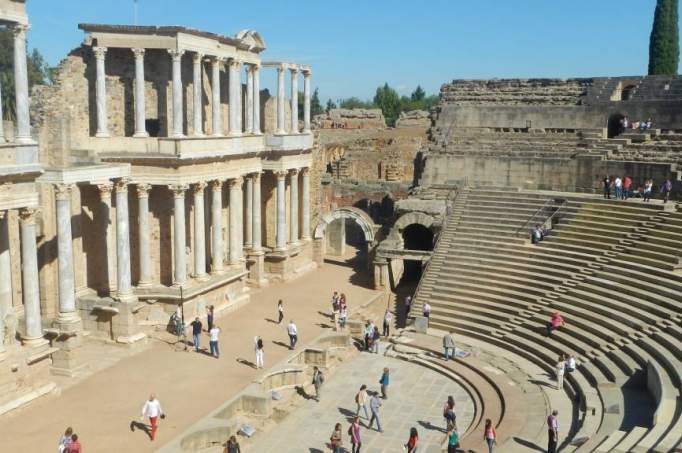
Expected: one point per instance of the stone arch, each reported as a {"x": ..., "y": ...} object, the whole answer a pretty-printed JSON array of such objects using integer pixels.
[
  {"x": 357, "y": 215},
  {"x": 408, "y": 219}
]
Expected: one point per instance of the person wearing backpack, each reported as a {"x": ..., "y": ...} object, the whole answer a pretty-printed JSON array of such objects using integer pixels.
[
  {"x": 452, "y": 438},
  {"x": 336, "y": 439},
  {"x": 258, "y": 344},
  {"x": 354, "y": 434},
  {"x": 318, "y": 380},
  {"x": 361, "y": 400}
]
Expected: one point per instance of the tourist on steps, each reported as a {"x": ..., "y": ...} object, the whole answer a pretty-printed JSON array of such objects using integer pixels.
[
  {"x": 452, "y": 438},
  {"x": 196, "y": 333},
  {"x": 607, "y": 187},
  {"x": 408, "y": 306},
  {"x": 280, "y": 311},
  {"x": 489, "y": 435},
  {"x": 560, "y": 370},
  {"x": 648, "y": 189},
  {"x": 552, "y": 431},
  {"x": 343, "y": 317},
  {"x": 369, "y": 335},
  {"x": 354, "y": 433},
  {"x": 448, "y": 346},
  {"x": 232, "y": 446},
  {"x": 65, "y": 440},
  {"x": 318, "y": 381},
  {"x": 411, "y": 445},
  {"x": 388, "y": 317},
  {"x": 618, "y": 184},
  {"x": 152, "y": 409},
  {"x": 426, "y": 310},
  {"x": 571, "y": 363},
  {"x": 376, "y": 337},
  {"x": 336, "y": 439},
  {"x": 292, "y": 330},
  {"x": 374, "y": 405},
  {"x": 627, "y": 184},
  {"x": 361, "y": 399},
  {"x": 554, "y": 323},
  {"x": 666, "y": 188},
  {"x": 536, "y": 235},
  {"x": 258, "y": 347},
  {"x": 384, "y": 381}
]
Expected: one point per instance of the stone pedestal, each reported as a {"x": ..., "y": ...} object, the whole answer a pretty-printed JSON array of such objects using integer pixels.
[
  {"x": 421, "y": 324},
  {"x": 256, "y": 265},
  {"x": 66, "y": 361},
  {"x": 336, "y": 237},
  {"x": 382, "y": 278},
  {"x": 319, "y": 249}
]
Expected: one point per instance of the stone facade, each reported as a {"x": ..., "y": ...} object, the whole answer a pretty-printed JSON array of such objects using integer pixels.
[{"x": 351, "y": 119}]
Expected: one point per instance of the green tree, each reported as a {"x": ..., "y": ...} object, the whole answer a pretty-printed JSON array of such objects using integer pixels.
[
  {"x": 418, "y": 94},
  {"x": 315, "y": 104},
  {"x": 387, "y": 99},
  {"x": 330, "y": 105},
  {"x": 355, "y": 103},
  {"x": 664, "y": 43}
]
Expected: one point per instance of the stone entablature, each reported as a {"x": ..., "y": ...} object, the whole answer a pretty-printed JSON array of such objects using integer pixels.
[{"x": 13, "y": 11}]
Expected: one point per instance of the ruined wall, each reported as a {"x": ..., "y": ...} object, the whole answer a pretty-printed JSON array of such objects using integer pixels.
[
  {"x": 414, "y": 118},
  {"x": 351, "y": 119}
]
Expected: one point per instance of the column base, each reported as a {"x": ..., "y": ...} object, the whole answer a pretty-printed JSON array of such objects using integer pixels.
[
  {"x": 102, "y": 135},
  {"x": 306, "y": 239},
  {"x": 280, "y": 132},
  {"x": 126, "y": 298},
  {"x": 307, "y": 131},
  {"x": 177, "y": 136},
  {"x": 144, "y": 134},
  {"x": 68, "y": 323},
  {"x": 34, "y": 342},
  {"x": 257, "y": 133},
  {"x": 294, "y": 244},
  {"x": 234, "y": 134},
  {"x": 144, "y": 284},
  {"x": 202, "y": 277},
  {"x": 24, "y": 140},
  {"x": 218, "y": 271},
  {"x": 218, "y": 134},
  {"x": 198, "y": 135}
]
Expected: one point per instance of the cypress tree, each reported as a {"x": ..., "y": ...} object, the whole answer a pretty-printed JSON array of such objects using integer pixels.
[{"x": 664, "y": 43}]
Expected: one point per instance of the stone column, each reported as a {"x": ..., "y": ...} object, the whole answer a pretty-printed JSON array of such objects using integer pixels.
[
  {"x": 217, "y": 120},
  {"x": 294, "y": 207},
  {"x": 305, "y": 215},
  {"x": 294, "y": 100},
  {"x": 306, "y": 101},
  {"x": 197, "y": 93},
  {"x": 2, "y": 126},
  {"x": 236, "y": 222},
  {"x": 256, "y": 99},
  {"x": 105, "y": 196},
  {"x": 217, "y": 227},
  {"x": 144, "y": 236},
  {"x": 29, "y": 272},
  {"x": 178, "y": 114},
  {"x": 23, "y": 134},
  {"x": 123, "y": 281},
  {"x": 280, "y": 101},
  {"x": 249, "y": 99},
  {"x": 5, "y": 277},
  {"x": 140, "y": 107},
  {"x": 248, "y": 242},
  {"x": 67, "y": 287},
  {"x": 101, "y": 92},
  {"x": 179, "y": 245},
  {"x": 199, "y": 232},
  {"x": 281, "y": 237},
  {"x": 235, "y": 107},
  {"x": 256, "y": 245}
]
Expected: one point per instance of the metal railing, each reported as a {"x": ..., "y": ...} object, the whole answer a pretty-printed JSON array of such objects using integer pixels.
[{"x": 556, "y": 204}]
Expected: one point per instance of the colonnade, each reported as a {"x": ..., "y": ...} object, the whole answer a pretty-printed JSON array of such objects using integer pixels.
[
  {"x": 23, "y": 123},
  {"x": 292, "y": 128}
]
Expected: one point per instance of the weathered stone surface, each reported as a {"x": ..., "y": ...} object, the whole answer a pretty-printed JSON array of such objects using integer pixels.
[{"x": 414, "y": 118}]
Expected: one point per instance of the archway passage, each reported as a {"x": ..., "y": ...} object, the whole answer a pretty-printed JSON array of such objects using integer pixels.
[
  {"x": 415, "y": 237},
  {"x": 614, "y": 125}
]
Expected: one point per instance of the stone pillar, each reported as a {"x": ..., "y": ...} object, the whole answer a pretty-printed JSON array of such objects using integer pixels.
[
  {"x": 23, "y": 134},
  {"x": 281, "y": 237},
  {"x": 105, "y": 196},
  {"x": 180, "y": 264},
  {"x": 280, "y": 101},
  {"x": 256, "y": 99},
  {"x": 101, "y": 92},
  {"x": 305, "y": 215},
  {"x": 29, "y": 272},
  {"x": 199, "y": 233},
  {"x": 140, "y": 107},
  {"x": 235, "y": 104},
  {"x": 2, "y": 126},
  {"x": 294, "y": 100},
  {"x": 382, "y": 277},
  {"x": 5, "y": 277},
  {"x": 144, "y": 236},
  {"x": 236, "y": 223},
  {"x": 217, "y": 227},
  {"x": 67, "y": 287},
  {"x": 256, "y": 245},
  {"x": 249, "y": 99},
  {"x": 306, "y": 101},
  {"x": 178, "y": 114},
  {"x": 248, "y": 242},
  {"x": 197, "y": 93},
  {"x": 294, "y": 207},
  {"x": 215, "y": 98},
  {"x": 123, "y": 280}
]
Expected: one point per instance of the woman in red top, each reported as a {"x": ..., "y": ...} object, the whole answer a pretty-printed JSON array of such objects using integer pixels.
[
  {"x": 74, "y": 446},
  {"x": 554, "y": 323},
  {"x": 411, "y": 444}
]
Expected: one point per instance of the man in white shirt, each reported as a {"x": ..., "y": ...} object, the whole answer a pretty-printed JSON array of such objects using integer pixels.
[
  {"x": 426, "y": 309},
  {"x": 293, "y": 334},
  {"x": 618, "y": 183},
  {"x": 388, "y": 317},
  {"x": 152, "y": 409},
  {"x": 213, "y": 342}
]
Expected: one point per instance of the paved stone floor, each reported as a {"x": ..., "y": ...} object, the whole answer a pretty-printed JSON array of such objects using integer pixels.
[{"x": 416, "y": 397}]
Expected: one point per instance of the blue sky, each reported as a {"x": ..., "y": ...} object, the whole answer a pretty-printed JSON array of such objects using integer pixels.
[{"x": 356, "y": 45}]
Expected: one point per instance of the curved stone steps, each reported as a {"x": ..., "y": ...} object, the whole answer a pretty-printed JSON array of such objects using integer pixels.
[
  {"x": 527, "y": 286},
  {"x": 495, "y": 261},
  {"x": 525, "y": 258},
  {"x": 535, "y": 276},
  {"x": 637, "y": 279}
]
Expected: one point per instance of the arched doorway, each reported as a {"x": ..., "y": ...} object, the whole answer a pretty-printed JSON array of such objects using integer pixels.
[
  {"x": 415, "y": 237},
  {"x": 614, "y": 125}
]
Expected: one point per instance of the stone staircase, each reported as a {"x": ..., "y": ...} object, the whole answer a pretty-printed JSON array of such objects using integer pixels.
[{"x": 611, "y": 269}]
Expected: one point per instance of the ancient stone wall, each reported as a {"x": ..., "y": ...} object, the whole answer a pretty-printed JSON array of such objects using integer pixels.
[
  {"x": 515, "y": 91},
  {"x": 351, "y": 119},
  {"x": 414, "y": 118}
]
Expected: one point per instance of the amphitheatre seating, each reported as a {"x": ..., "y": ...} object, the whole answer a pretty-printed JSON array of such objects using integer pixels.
[{"x": 608, "y": 267}]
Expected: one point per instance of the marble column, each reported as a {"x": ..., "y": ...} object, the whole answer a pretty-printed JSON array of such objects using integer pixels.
[
  {"x": 29, "y": 272},
  {"x": 199, "y": 232},
  {"x": 2, "y": 126},
  {"x": 123, "y": 280},
  {"x": 101, "y": 92},
  {"x": 236, "y": 222},
  {"x": 5, "y": 276},
  {"x": 256, "y": 245},
  {"x": 67, "y": 287},
  {"x": 178, "y": 115},
  {"x": 280, "y": 101},
  {"x": 281, "y": 236},
  {"x": 249, "y": 99},
  {"x": 305, "y": 199},
  {"x": 105, "y": 196},
  {"x": 256, "y": 99},
  {"x": 144, "y": 237},
  {"x": 217, "y": 119},
  {"x": 22, "y": 102},
  {"x": 306, "y": 101},
  {"x": 217, "y": 227},
  {"x": 235, "y": 105},
  {"x": 140, "y": 106},
  {"x": 294, "y": 207},
  {"x": 294, "y": 100},
  {"x": 248, "y": 241},
  {"x": 179, "y": 245},
  {"x": 197, "y": 94}
]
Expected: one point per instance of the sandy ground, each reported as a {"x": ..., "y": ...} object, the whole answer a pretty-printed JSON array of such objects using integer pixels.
[{"x": 188, "y": 384}]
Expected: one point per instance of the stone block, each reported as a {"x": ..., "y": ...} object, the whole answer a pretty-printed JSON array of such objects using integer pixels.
[{"x": 421, "y": 324}]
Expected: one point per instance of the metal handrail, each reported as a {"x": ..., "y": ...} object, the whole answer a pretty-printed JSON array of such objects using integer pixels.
[{"x": 540, "y": 209}]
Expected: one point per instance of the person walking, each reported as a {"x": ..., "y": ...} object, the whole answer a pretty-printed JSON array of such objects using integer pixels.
[
  {"x": 258, "y": 346},
  {"x": 214, "y": 333},
  {"x": 280, "y": 311},
  {"x": 374, "y": 405},
  {"x": 648, "y": 189},
  {"x": 343, "y": 318},
  {"x": 232, "y": 446},
  {"x": 408, "y": 306},
  {"x": 426, "y": 310},
  {"x": 361, "y": 400},
  {"x": 335, "y": 302},
  {"x": 292, "y": 330},
  {"x": 552, "y": 431},
  {"x": 666, "y": 188},
  {"x": 65, "y": 440},
  {"x": 74, "y": 446},
  {"x": 627, "y": 185},
  {"x": 196, "y": 333},
  {"x": 384, "y": 381},
  {"x": 411, "y": 445},
  {"x": 449, "y": 413},
  {"x": 369, "y": 335},
  {"x": 152, "y": 409},
  {"x": 376, "y": 337},
  {"x": 448, "y": 346},
  {"x": 452, "y": 438},
  {"x": 607, "y": 187},
  {"x": 388, "y": 317},
  {"x": 618, "y": 184},
  {"x": 336, "y": 439},
  {"x": 354, "y": 433},
  {"x": 318, "y": 381},
  {"x": 555, "y": 322},
  {"x": 560, "y": 370},
  {"x": 209, "y": 317},
  {"x": 489, "y": 434}
]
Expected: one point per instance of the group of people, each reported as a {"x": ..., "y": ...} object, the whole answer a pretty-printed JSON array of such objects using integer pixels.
[
  {"x": 538, "y": 233},
  {"x": 625, "y": 124},
  {"x": 621, "y": 188},
  {"x": 69, "y": 442},
  {"x": 339, "y": 309},
  {"x": 566, "y": 364}
]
